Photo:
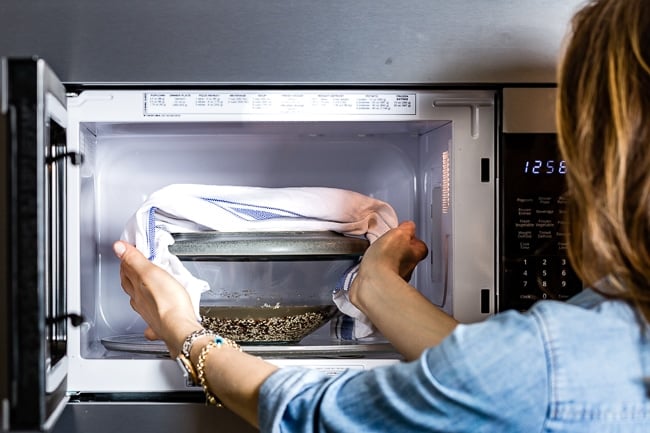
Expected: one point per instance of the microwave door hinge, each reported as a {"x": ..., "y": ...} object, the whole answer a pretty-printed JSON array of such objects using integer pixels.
[{"x": 473, "y": 104}]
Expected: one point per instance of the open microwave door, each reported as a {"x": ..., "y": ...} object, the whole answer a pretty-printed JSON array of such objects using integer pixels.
[{"x": 33, "y": 311}]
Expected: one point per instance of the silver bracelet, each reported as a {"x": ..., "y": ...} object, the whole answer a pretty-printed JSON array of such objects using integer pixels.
[{"x": 189, "y": 340}]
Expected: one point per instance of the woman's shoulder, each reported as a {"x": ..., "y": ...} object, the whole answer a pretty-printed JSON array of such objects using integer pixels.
[
  {"x": 595, "y": 349},
  {"x": 587, "y": 330},
  {"x": 584, "y": 357},
  {"x": 588, "y": 316},
  {"x": 572, "y": 339},
  {"x": 587, "y": 313}
]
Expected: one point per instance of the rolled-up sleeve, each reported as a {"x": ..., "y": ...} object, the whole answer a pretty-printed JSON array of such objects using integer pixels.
[{"x": 490, "y": 376}]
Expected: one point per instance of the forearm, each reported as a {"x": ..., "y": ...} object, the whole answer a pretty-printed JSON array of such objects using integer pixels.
[
  {"x": 234, "y": 377},
  {"x": 401, "y": 313}
]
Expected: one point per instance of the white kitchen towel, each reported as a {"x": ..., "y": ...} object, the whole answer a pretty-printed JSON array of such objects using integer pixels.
[{"x": 182, "y": 208}]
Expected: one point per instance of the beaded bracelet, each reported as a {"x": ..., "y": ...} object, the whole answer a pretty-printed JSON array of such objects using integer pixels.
[
  {"x": 218, "y": 341},
  {"x": 189, "y": 340}
]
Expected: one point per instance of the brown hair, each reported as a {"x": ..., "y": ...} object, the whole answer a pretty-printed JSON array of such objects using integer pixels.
[{"x": 603, "y": 116}]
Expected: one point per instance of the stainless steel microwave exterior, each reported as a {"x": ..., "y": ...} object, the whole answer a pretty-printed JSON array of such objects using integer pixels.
[
  {"x": 433, "y": 154},
  {"x": 291, "y": 42}
]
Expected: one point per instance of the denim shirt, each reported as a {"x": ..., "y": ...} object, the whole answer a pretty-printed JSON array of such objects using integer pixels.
[{"x": 577, "y": 366}]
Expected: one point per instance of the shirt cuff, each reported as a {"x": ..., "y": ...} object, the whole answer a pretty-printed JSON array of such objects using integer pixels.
[{"x": 279, "y": 389}]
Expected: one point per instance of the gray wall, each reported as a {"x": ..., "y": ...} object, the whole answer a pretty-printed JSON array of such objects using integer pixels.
[{"x": 293, "y": 41}]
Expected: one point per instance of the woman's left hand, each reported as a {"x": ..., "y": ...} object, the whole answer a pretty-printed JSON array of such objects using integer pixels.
[{"x": 156, "y": 296}]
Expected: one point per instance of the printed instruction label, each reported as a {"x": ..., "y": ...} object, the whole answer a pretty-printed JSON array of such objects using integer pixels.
[
  {"x": 335, "y": 370},
  {"x": 166, "y": 103}
]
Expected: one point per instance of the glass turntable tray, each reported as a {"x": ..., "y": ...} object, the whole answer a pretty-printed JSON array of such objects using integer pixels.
[{"x": 317, "y": 346}]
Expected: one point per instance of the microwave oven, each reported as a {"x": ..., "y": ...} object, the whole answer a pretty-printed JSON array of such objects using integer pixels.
[{"x": 476, "y": 168}]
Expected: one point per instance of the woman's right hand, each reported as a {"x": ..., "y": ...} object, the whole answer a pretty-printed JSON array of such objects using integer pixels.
[
  {"x": 395, "y": 254},
  {"x": 398, "y": 250},
  {"x": 382, "y": 292}
]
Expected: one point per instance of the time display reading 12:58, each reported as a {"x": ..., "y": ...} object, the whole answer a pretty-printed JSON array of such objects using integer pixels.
[{"x": 547, "y": 166}]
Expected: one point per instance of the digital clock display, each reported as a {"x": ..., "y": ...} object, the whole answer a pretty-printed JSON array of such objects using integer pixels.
[{"x": 544, "y": 166}]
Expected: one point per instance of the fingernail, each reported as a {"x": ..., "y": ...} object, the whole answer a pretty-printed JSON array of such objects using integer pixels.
[{"x": 119, "y": 249}]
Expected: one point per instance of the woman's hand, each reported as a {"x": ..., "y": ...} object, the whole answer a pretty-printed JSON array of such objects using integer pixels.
[
  {"x": 236, "y": 377},
  {"x": 398, "y": 250},
  {"x": 382, "y": 292},
  {"x": 407, "y": 249},
  {"x": 156, "y": 296}
]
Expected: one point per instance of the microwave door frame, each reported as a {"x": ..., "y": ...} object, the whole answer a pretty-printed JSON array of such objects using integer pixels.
[{"x": 34, "y": 325}]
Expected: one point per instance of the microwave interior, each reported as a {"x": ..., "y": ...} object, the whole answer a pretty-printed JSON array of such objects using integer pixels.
[
  {"x": 124, "y": 163},
  {"x": 415, "y": 165}
]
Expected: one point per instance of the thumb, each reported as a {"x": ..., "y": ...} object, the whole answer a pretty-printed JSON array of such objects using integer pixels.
[
  {"x": 130, "y": 255},
  {"x": 119, "y": 248}
]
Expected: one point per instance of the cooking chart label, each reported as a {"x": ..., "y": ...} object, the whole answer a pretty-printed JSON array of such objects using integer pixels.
[{"x": 308, "y": 103}]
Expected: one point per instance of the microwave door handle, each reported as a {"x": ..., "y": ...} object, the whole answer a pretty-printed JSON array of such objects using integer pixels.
[{"x": 76, "y": 158}]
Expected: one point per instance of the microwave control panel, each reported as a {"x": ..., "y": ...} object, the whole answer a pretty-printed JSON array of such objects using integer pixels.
[{"x": 534, "y": 262}]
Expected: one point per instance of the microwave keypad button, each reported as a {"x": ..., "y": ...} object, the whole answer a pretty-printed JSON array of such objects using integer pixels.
[
  {"x": 523, "y": 279},
  {"x": 545, "y": 270},
  {"x": 569, "y": 283}
]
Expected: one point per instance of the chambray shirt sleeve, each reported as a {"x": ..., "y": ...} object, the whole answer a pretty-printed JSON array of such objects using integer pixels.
[{"x": 484, "y": 377}]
